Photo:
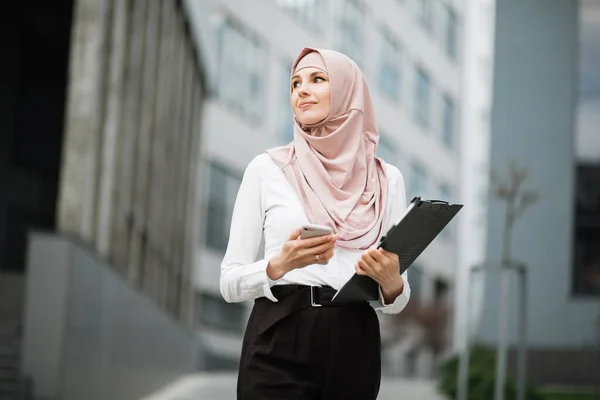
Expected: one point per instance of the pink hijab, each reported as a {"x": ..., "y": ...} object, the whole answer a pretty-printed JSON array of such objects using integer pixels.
[{"x": 332, "y": 164}]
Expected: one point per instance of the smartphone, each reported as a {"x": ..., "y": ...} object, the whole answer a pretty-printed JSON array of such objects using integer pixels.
[{"x": 312, "y": 230}]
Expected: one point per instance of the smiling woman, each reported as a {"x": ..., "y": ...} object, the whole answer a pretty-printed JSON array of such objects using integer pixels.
[
  {"x": 328, "y": 175},
  {"x": 310, "y": 95}
]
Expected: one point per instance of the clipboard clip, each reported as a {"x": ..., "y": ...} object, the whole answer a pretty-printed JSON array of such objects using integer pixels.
[{"x": 435, "y": 201}]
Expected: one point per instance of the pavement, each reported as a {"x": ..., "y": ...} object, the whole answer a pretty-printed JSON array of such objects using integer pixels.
[
  {"x": 222, "y": 387},
  {"x": 408, "y": 389}
]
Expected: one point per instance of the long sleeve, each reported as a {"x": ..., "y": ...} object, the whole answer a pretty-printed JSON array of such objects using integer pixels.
[
  {"x": 242, "y": 277},
  {"x": 400, "y": 302},
  {"x": 397, "y": 211}
]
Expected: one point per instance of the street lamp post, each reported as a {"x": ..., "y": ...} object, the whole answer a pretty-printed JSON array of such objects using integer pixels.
[
  {"x": 517, "y": 200},
  {"x": 463, "y": 362},
  {"x": 463, "y": 371},
  {"x": 510, "y": 191},
  {"x": 463, "y": 365},
  {"x": 502, "y": 346},
  {"x": 522, "y": 355}
]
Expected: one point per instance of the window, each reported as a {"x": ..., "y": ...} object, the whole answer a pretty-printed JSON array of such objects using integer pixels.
[
  {"x": 241, "y": 61},
  {"x": 425, "y": 14},
  {"x": 586, "y": 266},
  {"x": 452, "y": 34},
  {"x": 214, "y": 312},
  {"x": 352, "y": 30},
  {"x": 448, "y": 122},
  {"x": 386, "y": 150},
  {"x": 307, "y": 12},
  {"x": 286, "y": 114},
  {"x": 418, "y": 180},
  {"x": 440, "y": 290},
  {"x": 389, "y": 72},
  {"x": 222, "y": 190},
  {"x": 422, "y": 95},
  {"x": 586, "y": 237}
]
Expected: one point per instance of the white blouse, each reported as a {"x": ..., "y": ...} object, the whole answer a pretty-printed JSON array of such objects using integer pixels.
[{"x": 267, "y": 204}]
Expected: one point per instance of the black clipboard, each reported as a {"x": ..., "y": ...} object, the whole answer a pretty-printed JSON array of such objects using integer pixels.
[{"x": 420, "y": 224}]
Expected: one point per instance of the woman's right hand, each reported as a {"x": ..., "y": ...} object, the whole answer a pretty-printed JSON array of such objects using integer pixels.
[{"x": 298, "y": 253}]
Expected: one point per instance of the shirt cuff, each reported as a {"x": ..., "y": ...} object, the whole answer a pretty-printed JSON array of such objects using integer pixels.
[
  {"x": 269, "y": 283},
  {"x": 398, "y": 304},
  {"x": 253, "y": 284}
]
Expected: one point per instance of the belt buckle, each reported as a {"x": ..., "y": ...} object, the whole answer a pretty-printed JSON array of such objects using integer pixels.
[{"x": 312, "y": 297}]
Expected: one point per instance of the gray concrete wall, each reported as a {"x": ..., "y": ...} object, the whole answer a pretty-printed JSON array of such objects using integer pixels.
[
  {"x": 129, "y": 177},
  {"x": 89, "y": 335},
  {"x": 533, "y": 122},
  {"x": 45, "y": 314}
]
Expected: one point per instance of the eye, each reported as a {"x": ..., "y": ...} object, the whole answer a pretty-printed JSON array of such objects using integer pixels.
[
  {"x": 319, "y": 79},
  {"x": 295, "y": 84}
]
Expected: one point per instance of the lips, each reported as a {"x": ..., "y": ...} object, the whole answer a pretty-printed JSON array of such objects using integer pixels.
[{"x": 305, "y": 104}]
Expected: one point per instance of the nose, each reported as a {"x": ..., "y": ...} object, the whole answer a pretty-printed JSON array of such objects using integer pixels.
[{"x": 303, "y": 89}]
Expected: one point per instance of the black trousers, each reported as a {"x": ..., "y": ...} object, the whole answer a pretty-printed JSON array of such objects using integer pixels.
[{"x": 295, "y": 351}]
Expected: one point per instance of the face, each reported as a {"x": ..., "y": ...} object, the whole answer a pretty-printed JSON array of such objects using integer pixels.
[{"x": 310, "y": 95}]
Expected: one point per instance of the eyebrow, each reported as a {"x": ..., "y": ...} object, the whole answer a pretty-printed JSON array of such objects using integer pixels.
[{"x": 311, "y": 74}]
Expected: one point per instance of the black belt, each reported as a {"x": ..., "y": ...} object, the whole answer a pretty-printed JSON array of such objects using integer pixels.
[{"x": 294, "y": 298}]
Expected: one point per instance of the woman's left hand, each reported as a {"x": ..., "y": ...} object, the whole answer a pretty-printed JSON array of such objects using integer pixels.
[{"x": 384, "y": 268}]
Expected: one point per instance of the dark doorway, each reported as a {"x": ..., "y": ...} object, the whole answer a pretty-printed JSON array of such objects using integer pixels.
[{"x": 35, "y": 40}]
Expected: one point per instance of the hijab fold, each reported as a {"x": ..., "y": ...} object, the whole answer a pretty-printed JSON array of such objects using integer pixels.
[{"x": 332, "y": 164}]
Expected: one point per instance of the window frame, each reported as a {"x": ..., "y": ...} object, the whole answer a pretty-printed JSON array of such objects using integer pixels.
[
  {"x": 390, "y": 45},
  {"x": 449, "y": 111},
  {"x": 228, "y": 200},
  {"x": 238, "y": 77},
  {"x": 425, "y": 14},
  {"x": 452, "y": 34},
  {"x": 356, "y": 51},
  {"x": 307, "y": 15},
  {"x": 421, "y": 168},
  {"x": 423, "y": 89}
]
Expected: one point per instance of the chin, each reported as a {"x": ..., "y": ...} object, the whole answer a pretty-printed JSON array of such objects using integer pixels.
[{"x": 312, "y": 119}]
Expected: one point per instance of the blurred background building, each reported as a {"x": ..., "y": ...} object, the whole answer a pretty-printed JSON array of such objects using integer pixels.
[
  {"x": 478, "y": 60},
  {"x": 411, "y": 53},
  {"x": 99, "y": 147},
  {"x": 546, "y": 117}
]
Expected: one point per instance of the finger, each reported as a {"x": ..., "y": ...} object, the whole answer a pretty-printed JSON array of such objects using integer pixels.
[
  {"x": 294, "y": 235},
  {"x": 329, "y": 254},
  {"x": 316, "y": 241},
  {"x": 326, "y": 256},
  {"x": 377, "y": 255},
  {"x": 389, "y": 254},
  {"x": 322, "y": 248},
  {"x": 359, "y": 270},
  {"x": 368, "y": 270},
  {"x": 310, "y": 255},
  {"x": 370, "y": 260},
  {"x": 323, "y": 258},
  {"x": 383, "y": 259}
]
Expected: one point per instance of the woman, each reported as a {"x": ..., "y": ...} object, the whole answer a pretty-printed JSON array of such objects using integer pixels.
[{"x": 298, "y": 345}]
